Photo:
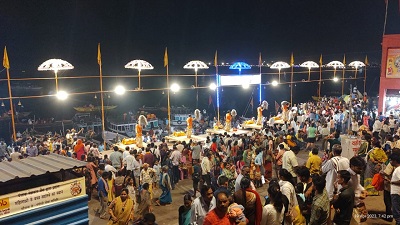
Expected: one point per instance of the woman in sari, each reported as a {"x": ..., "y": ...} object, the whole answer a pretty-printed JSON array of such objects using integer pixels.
[
  {"x": 375, "y": 158},
  {"x": 121, "y": 209},
  {"x": 251, "y": 202},
  {"x": 185, "y": 210},
  {"x": 165, "y": 184},
  {"x": 91, "y": 169}
]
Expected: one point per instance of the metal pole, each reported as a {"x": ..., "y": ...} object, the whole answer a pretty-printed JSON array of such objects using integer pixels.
[
  {"x": 102, "y": 102},
  {"x": 55, "y": 73},
  {"x": 11, "y": 105},
  {"x": 197, "y": 91},
  {"x": 169, "y": 105},
  {"x": 140, "y": 87}
]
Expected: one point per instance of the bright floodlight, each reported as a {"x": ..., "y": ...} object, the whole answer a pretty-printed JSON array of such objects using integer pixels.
[
  {"x": 245, "y": 85},
  {"x": 213, "y": 86},
  {"x": 195, "y": 65},
  {"x": 62, "y": 95},
  {"x": 274, "y": 83},
  {"x": 309, "y": 64},
  {"x": 139, "y": 65},
  {"x": 119, "y": 90},
  {"x": 335, "y": 79},
  {"x": 55, "y": 65},
  {"x": 280, "y": 65},
  {"x": 335, "y": 64},
  {"x": 356, "y": 64},
  {"x": 175, "y": 87}
]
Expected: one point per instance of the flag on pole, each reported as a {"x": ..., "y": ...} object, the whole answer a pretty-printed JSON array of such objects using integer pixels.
[
  {"x": 366, "y": 61},
  {"x": 252, "y": 102},
  {"x": 320, "y": 60},
  {"x": 259, "y": 60},
  {"x": 98, "y": 55},
  {"x": 166, "y": 58},
  {"x": 6, "y": 63},
  {"x": 276, "y": 107},
  {"x": 216, "y": 58},
  {"x": 344, "y": 59},
  {"x": 209, "y": 100},
  {"x": 291, "y": 60}
]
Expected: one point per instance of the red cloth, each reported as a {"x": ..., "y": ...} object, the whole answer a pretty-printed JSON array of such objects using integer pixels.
[
  {"x": 378, "y": 182},
  {"x": 258, "y": 206},
  {"x": 213, "y": 147},
  {"x": 214, "y": 217}
]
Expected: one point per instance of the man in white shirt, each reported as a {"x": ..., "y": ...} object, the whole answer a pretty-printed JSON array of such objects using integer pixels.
[
  {"x": 128, "y": 161},
  {"x": 201, "y": 205},
  {"x": 206, "y": 169},
  {"x": 330, "y": 168},
  {"x": 175, "y": 158},
  {"x": 357, "y": 165},
  {"x": 376, "y": 128},
  {"x": 289, "y": 161},
  {"x": 245, "y": 172}
]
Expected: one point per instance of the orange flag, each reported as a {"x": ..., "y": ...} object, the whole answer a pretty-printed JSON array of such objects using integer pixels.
[
  {"x": 366, "y": 61},
  {"x": 320, "y": 60},
  {"x": 166, "y": 57},
  {"x": 260, "y": 60},
  {"x": 98, "y": 55},
  {"x": 291, "y": 60},
  {"x": 216, "y": 58},
  {"x": 209, "y": 100},
  {"x": 6, "y": 63}
]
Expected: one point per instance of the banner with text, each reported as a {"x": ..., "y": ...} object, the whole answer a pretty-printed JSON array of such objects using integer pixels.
[{"x": 21, "y": 201}]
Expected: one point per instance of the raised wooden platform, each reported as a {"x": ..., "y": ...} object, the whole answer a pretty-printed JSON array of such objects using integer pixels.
[
  {"x": 252, "y": 126},
  {"x": 222, "y": 131},
  {"x": 197, "y": 138}
]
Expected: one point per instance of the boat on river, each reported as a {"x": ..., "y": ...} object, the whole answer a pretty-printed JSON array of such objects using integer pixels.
[{"x": 92, "y": 108}]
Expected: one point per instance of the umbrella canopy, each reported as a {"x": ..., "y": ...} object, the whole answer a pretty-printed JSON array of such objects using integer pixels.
[
  {"x": 309, "y": 64},
  {"x": 356, "y": 64},
  {"x": 240, "y": 66},
  {"x": 335, "y": 64},
  {"x": 139, "y": 65},
  {"x": 279, "y": 65},
  {"x": 55, "y": 65},
  {"x": 195, "y": 64}
]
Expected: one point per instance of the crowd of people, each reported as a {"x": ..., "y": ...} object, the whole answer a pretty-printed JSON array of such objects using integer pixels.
[{"x": 226, "y": 171}]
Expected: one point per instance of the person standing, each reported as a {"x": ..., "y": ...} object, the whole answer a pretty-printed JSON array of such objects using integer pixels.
[
  {"x": 196, "y": 151},
  {"x": 148, "y": 158},
  {"x": 184, "y": 210},
  {"x": 311, "y": 136},
  {"x": 314, "y": 162},
  {"x": 175, "y": 158},
  {"x": 31, "y": 150},
  {"x": 289, "y": 162},
  {"x": 146, "y": 176},
  {"x": 189, "y": 122},
  {"x": 121, "y": 209},
  {"x": 201, "y": 205},
  {"x": 116, "y": 158},
  {"x": 219, "y": 215},
  {"x": 250, "y": 200},
  {"x": 395, "y": 187},
  {"x": 320, "y": 205},
  {"x": 206, "y": 169},
  {"x": 273, "y": 213},
  {"x": 130, "y": 165},
  {"x": 165, "y": 184},
  {"x": 102, "y": 190},
  {"x": 334, "y": 164},
  {"x": 343, "y": 201}
]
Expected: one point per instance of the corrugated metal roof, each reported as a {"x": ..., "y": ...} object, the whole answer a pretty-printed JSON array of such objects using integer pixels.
[{"x": 34, "y": 166}]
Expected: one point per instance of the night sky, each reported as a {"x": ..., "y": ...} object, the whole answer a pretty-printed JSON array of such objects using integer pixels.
[{"x": 35, "y": 31}]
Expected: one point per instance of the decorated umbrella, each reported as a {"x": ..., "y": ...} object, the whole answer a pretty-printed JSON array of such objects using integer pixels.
[
  {"x": 309, "y": 65},
  {"x": 55, "y": 65},
  {"x": 335, "y": 65},
  {"x": 356, "y": 65},
  {"x": 240, "y": 66},
  {"x": 279, "y": 65},
  {"x": 196, "y": 64},
  {"x": 139, "y": 65}
]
